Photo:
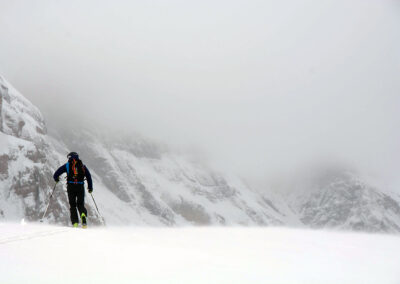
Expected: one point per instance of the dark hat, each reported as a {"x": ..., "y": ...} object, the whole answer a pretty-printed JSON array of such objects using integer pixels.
[{"x": 73, "y": 155}]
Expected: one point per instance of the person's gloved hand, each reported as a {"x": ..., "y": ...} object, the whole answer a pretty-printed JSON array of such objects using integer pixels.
[
  {"x": 90, "y": 190},
  {"x": 57, "y": 179}
]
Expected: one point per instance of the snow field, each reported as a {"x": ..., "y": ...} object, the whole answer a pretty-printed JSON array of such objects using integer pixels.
[{"x": 48, "y": 254}]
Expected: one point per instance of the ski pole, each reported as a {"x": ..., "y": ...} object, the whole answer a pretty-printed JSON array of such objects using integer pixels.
[
  {"x": 48, "y": 204},
  {"x": 104, "y": 223}
]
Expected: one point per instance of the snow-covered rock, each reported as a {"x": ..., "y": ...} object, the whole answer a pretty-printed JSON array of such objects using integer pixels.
[
  {"x": 151, "y": 184},
  {"x": 137, "y": 181},
  {"x": 340, "y": 199},
  {"x": 26, "y": 161}
]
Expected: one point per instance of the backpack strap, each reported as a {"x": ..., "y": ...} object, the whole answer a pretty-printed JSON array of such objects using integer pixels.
[
  {"x": 67, "y": 165},
  {"x": 76, "y": 182}
]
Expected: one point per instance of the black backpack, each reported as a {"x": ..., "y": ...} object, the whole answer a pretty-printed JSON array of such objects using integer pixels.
[{"x": 75, "y": 171}]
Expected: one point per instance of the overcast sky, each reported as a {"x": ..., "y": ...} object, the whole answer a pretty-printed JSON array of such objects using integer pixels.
[{"x": 259, "y": 86}]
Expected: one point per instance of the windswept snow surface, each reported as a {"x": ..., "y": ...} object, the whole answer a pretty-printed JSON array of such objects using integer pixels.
[{"x": 48, "y": 254}]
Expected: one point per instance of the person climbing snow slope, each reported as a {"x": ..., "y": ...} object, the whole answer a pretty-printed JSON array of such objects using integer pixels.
[{"x": 76, "y": 173}]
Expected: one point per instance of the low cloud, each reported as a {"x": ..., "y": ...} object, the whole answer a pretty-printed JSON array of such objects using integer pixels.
[{"x": 261, "y": 87}]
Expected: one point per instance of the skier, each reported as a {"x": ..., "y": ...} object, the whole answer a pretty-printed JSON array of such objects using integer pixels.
[{"x": 76, "y": 172}]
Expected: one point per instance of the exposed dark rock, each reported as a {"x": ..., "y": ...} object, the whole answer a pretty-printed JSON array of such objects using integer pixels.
[
  {"x": 192, "y": 212},
  {"x": 4, "y": 166}
]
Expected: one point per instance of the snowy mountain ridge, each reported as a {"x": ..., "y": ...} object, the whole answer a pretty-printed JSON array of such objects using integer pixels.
[
  {"x": 166, "y": 189},
  {"x": 139, "y": 182},
  {"x": 342, "y": 200}
]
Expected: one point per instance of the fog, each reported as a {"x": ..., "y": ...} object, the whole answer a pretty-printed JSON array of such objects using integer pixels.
[{"x": 258, "y": 87}]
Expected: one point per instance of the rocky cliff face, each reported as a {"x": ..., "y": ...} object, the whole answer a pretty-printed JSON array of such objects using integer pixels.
[
  {"x": 152, "y": 185},
  {"x": 26, "y": 161},
  {"x": 339, "y": 199},
  {"x": 140, "y": 182},
  {"x": 136, "y": 181}
]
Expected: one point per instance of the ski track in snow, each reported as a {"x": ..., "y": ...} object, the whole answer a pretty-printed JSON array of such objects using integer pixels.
[
  {"x": 29, "y": 236},
  {"x": 37, "y": 253}
]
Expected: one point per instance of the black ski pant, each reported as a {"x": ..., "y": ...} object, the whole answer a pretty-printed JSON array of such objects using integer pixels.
[{"x": 76, "y": 197}]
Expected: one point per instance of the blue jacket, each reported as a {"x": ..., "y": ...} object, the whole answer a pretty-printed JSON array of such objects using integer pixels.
[{"x": 63, "y": 169}]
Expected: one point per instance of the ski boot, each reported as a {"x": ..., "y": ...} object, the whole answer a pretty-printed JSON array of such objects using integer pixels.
[
  {"x": 84, "y": 224},
  {"x": 75, "y": 225}
]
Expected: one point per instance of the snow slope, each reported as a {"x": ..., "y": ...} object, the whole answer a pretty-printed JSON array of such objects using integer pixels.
[
  {"x": 158, "y": 187},
  {"x": 139, "y": 182},
  {"x": 135, "y": 181},
  {"x": 48, "y": 254}
]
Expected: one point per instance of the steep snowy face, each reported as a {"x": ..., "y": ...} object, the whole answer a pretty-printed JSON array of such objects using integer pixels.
[
  {"x": 342, "y": 200},
  {"x": 26, "y": 160},
  {"x": 19, "y": 117},
  {"x": 136, "y": 181},
  {"x": 148, "y": 184},
  {"x": 140, "y": 182}
]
